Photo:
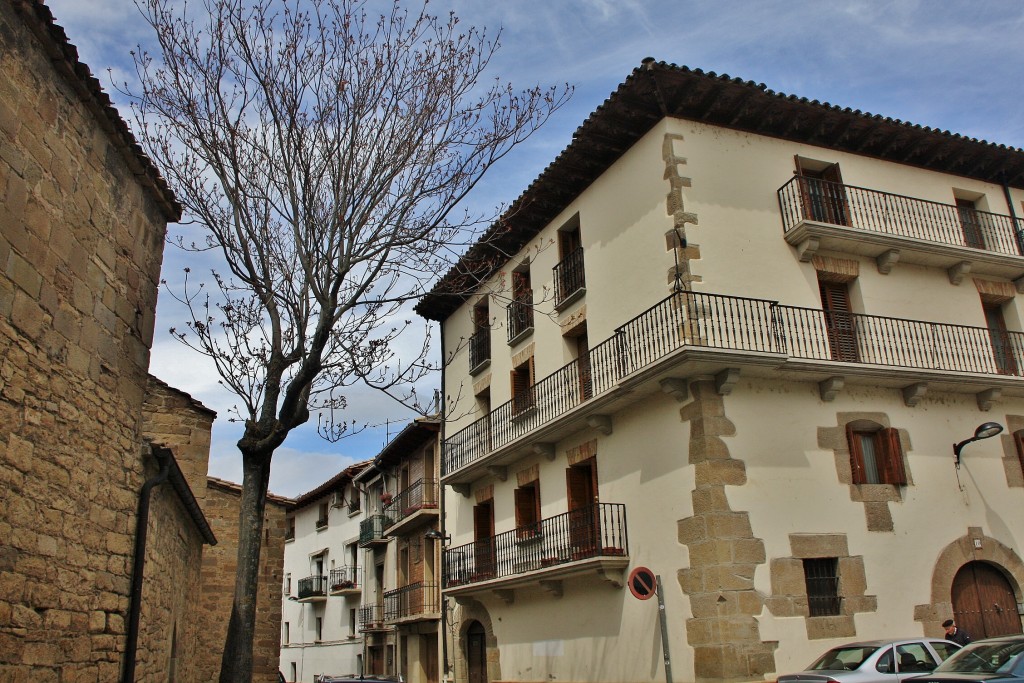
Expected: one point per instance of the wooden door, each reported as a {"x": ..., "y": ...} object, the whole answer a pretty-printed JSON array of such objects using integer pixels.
[
  {"x": 584, "y": 522},
  {"x": 483, "y": 543},
  {"x": 823, "y": 194},
  {"x": 984, "y": 603},
  {"x": 970, "y": 223},
  {"x": 428, "y": 656},
  {"x": 839, "y": 321},
  {"x": 476, "y": 653},
  {"x": 583, "y": 365},
  {"x": 1002, "y": 348}
]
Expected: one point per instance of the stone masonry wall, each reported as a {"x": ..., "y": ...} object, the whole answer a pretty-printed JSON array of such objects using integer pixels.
[
  {"x": 218, "y": 584},
  {"x": 80, "y": 250},
  {"x": 177, "y": 421}
]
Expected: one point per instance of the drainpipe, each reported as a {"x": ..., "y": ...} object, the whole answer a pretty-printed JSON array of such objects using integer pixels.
[
  {"x": 1013, "y": 217},
  {"x": 441, "y": 410},
  {"x": 141, "y": 525}
]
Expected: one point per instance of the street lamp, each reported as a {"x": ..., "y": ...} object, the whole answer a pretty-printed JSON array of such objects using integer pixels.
[
  {"x": 984, "y": 431},
  {"x": 437, "y": 535}
]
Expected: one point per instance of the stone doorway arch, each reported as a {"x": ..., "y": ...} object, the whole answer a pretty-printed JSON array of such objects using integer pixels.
[
  {"x": 476, "y": 649},
  {"x": 984, "y": 601},
  {"x": 975, "y": 546}
]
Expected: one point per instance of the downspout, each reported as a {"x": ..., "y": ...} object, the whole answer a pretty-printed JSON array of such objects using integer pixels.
[
  {"x": 442, "y": 409},
  {"x": 1013, "y": 217},
  {"x": 139, "y": 564}
]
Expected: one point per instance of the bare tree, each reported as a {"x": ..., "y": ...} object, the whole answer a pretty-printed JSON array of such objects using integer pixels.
[{"x": 323, "y": 149}]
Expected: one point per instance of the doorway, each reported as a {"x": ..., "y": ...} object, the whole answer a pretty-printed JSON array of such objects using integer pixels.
[
  {"x": 584, "y": 521},
  {"x": 476, "y": 652},
  {"x": 984, "y": 603}
]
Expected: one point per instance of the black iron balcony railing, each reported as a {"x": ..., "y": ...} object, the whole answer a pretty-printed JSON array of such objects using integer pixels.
[
  {"x": 312, "y": 586},
  {"x": 734, "y": 323},
  {"x": 372, "y": 529},
  {"x": 823, "y": 201},
  {"x": 419, "y": 496},
  {"x": 520, "y": 314},
  {"x": 371, "y": 617},
  {"x": 479, "y": 348},
  {"x": 410, "y": 601},
  {"x": 344, "y": 578},
  {"x": 568, "y": 276},
  {"x": 597, "y": 530}
]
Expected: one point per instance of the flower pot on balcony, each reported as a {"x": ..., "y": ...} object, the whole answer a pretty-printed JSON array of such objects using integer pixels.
[{"x": 385, "y": 498}]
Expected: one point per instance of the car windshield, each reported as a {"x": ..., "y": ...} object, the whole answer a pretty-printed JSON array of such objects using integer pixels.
[
  {"x": 993, "y": 657},
  {"x": 840, "y": 658}
]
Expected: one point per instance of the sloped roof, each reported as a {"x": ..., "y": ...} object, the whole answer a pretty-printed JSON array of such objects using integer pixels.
[
  {"x": 64, "y": 56},
  {"x": 656, "y": 90},
  {"x": 334, "y": 483}
]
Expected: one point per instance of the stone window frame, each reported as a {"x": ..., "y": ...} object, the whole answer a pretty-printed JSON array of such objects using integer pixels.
[
  {"x": 1013, "y": 451},
  {"x": 789, "y": 588},
  {"x": 875, "y": 497}
]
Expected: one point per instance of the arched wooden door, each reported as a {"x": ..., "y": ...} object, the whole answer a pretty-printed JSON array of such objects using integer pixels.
[
  {"x": 984, "y": 603},
  {"x": 476, "y": 652}
]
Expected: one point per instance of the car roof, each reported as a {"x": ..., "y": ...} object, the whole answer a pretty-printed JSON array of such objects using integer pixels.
[{"x": 887, "y": 641}]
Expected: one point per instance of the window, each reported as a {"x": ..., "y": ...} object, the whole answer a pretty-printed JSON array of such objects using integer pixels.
[
  {"x": 1002, "y": 344},
  {"x": 821, "y": 576},
  {"x": 876, "y": 456},
  {"x": 522, "y": 387},
  {"x": 822, "y": 192},
  {"x": 520, "y": 309},
  {"x": 914, "y": 658},
  {"x": 289, "y": 533},
  {"x": 527, "y": 498},
  {"x": 840, "y": 323},
  {"x": 480, "y": 342},
  {"x": 352, "y": 623},
  {"x": 970, "y": 223},
  {"x": 353, "y": 500},
  {"x": 321, "y": 520},
  {"x": 287, "y": 585},
  {"x": 294, "y": 672},
  {"x": 287, "y": 637},
  {"x": 319, "y": 628},
  {"x": 570, "y": 283}
]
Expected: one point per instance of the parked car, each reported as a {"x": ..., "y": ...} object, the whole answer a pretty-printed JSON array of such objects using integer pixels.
[
  {"x": 875, "y": 661},
  {"x": 992, "y": 659},
  {"x": 358, "y": 678}
]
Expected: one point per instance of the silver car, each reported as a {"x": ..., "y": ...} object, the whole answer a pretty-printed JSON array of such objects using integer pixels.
[{"x": 875, "y": 661}]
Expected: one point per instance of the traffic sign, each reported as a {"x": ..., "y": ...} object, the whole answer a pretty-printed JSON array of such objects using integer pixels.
[{"x": 642, "y": 583}]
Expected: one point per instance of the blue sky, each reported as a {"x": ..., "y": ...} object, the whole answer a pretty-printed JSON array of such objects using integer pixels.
[{"x": 951, "y": 64}]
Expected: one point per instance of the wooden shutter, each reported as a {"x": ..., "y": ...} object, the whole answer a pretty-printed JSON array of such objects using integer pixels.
[
  {"x": 856, "y": 456},
  {"x": 1018, "y": 441},
  {"x": 888, "y": 445},
  {"x": 839, "y": 320},
  {"x": 527, "y": 517}
]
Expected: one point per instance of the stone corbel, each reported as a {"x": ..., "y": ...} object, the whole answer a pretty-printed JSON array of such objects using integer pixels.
[
  {"x": 913, "y": 394},
  {"x": 500, "y": 472},
  {"x": 830, "y": 388},
  {"x": 807, "y": 249},
  {"x": 958, "y": 272},
  {"x": 886, "y": 260},
  {"x": 612, "y": 575},
  {"x": 552, "y": 586},
  {"x": 462, "y": 489},
  {"x": 987, "y": 398},
  {"x": 545, "y": 448},
  {"x": 1019, "y": 284},
  {"x": 506, "y": 595},
  {"x": 726, "y": 380},
  {"x": 602, "y": 423},
  {"x": 676, "y": 386}
]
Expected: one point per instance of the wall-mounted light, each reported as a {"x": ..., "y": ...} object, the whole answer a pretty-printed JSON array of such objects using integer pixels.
[
  {"x": 436, "y": 535},
  {"x": 984, "y": 431}
]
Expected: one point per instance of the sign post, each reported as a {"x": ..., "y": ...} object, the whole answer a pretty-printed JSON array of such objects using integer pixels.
[{"x": 644, "y": 585}]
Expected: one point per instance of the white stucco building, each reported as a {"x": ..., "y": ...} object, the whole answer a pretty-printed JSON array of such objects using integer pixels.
[
  {"x": 737, "y": 337},
  {"x": 323, "y": 582}
]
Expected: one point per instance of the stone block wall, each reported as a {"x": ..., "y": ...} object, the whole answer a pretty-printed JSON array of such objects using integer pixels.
[
  {"x": 81, "y": 243},
  {"x": 218, "y": 583},
  {"x": 177, "y": 421}
]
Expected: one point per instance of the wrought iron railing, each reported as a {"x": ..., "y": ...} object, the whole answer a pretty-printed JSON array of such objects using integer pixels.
[
  {"x": 413, "y": 600},
  {"x": 479, "y": 347},
  {"x": 597, "y": 530},
  {"x": 372, "y": 528},
  {"x": 420, "y": 495},
  {"x": 735, "y": 323},
  {"x": 312, "y": 586},
  {"x": 520, "y": 314},
  {"x": 344, "y": 578},
  {"x": 569, "y": 276},
  {"x": 371, "y": 617},
  {"x": 820, "y": 200}
]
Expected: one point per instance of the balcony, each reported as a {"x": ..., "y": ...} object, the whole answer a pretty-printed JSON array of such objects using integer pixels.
[
  {"x": 415, "y": 602},
  {"x": 321, "y": 523},
  {"x": 691, "y": 333},
  {"x": 413, "y": 506},
  {"x": 587, "y": 541},
  {"x": 371, "y": 530},
  {"x": 344, "y": 581},
  {"x": 822, "y": 215},
  {"x": 313, "y": 589},
  {"x": 520, "y": 317},
  {"x": 570, "y": 283},
  {"x": 371, "y": 618},
  {"x": 479, "y": 350}
]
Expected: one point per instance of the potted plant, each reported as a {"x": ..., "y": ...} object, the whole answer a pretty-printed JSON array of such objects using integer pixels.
[{"x": 385, "y": 498}]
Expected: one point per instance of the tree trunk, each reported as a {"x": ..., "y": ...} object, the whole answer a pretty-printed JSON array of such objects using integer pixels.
[{"x": 236, "y": 662}]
